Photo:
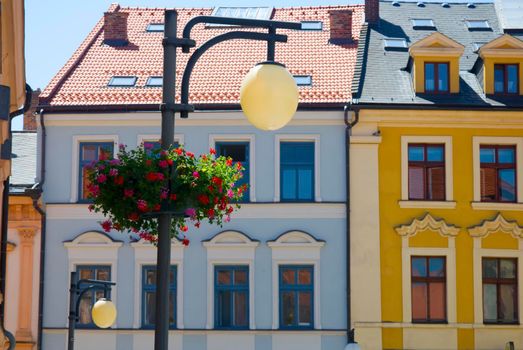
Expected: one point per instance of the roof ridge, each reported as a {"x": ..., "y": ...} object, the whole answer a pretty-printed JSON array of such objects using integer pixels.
[{"x": 276, "y": 8}]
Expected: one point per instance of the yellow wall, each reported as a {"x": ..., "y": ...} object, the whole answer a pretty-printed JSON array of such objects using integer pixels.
[
  {"x": 419, "y": 72},
  {"x": 488, "y": 73}
]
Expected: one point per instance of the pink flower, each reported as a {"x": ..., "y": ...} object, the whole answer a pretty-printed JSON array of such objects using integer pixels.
[
  {"x": 227, "y": 218},
  {"x": 163, "y": 164},
  {"x": 148, "y": 145},
  {"x": 106, "y": 225},
  {"x": 101, "y": 178},
  {"x": 121, "y": 147},
  {"x": 113, "y": 172},
  {"x": 160, "y": 176},
  {"x": 115, "y": 162},
  {"x": 190, "y": 211},
  {"x": 196, "y": 174},
  {"x": 141, "y": 205},
  {"x": 230, "y": 193},
  {"x": 128, "y": 192},
  {"x": 163, "y": 194}
]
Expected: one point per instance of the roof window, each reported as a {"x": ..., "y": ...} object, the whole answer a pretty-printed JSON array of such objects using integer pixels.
[
  {"x": 421, "y": 4},
  {"x": 154, "y": 82},
  {"x": 477, "y": 24},
  {"x": 311, "y": 25},
  {"x": 122, "y": 81},
  {"x": 155, "y": 27},
  {"x": 423, "y": 24},
  {"x": 395, "y": 43},
  {"x": 396, "y": 3},
  {"x": 303, "y": 80},
  {"x": 471, "y": 5},
  {"x": 445, "y": 5},
  {"x": 242, "y": 12}
]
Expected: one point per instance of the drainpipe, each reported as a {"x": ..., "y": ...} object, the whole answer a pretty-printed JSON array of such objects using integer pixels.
[{"x": 349, "y": 124}]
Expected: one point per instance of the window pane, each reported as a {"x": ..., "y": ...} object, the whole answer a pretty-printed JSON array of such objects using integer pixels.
[
  {"x": 506, "y": 155},
  {"x": 85, "y": 273},
  {"x": 224, "y": 307},
  {"x": 297, "y": 152},
  {"x": 89, "y": 152},
  {"x": 512, "y": 78},
  {"x": 436, "y": 183},
  {"x": 487, "y": 155},
  {"x": 435, "y": 153},
  {"x": 437, "y": 267},
  {"x": 172, "y": 302},
  {"x": 240, "y": 309},
  {"x": 507, "y": 184},
  {"x": 443, "y": 77},
  {"x": 419, "y": 267},
  {"x": 490, "y": 268},
  {"x": 305, "y": 184},
  {"x": 416, "y": 183},
  {"x": 240, "y": 277},
  {"x": 507, "y": 268},
  {"x": 429, "y": 77},
  {"x": 224, "y": 277},
  {"x": 289, "y": 183},
  {"x": 85, "y": 309},
  {"x": 416, "y": 153},
  {"x": 288, "y": 276},
  {"x": 103, "y": 274},
  {"x": 419, "y": 301},
  {"x": 508, "y": 295},
  {"x": 488, "y": 177},
  {"x": 499, "y": 78},
  {"x": 437, "y": 300},
  {"x": 238, "y": 152},
  {"x": 304, "y": 276},
  {"x": 150, "y": 309},
  {"x": 106, "y": 150},
  {"x": 288, "y": 307},
  {"x": 305, "y": 307}
]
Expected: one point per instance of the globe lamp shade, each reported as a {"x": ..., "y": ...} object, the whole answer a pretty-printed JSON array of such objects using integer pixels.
[
  {"x": 269, "y": 96},
  {"x": 104, "y": 313}
]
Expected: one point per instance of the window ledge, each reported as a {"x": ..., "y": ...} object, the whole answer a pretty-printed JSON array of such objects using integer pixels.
[
  {"x": 497, "y": 206},
  {"x": 428, "y": 204}
]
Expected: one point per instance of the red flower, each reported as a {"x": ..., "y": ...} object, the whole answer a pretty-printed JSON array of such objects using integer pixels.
[
  {"x": 239, "y": 165},
  {"x": 148, "y": 162},
  {"x": 210, "y": 188},
  {"x": 106, "y": 225},
  {"x": 178, "y": 151},
  {"x": 117, "y": 227},
  {"x": 229, "y": 210},
  {"x": 173, "y": 196},
  {"x": 185, "y": 242},
  {"x": 197, "y": 224},
  {"x": 163, "y": 164},
  {"x": 212, "y": 151},
  {"x": 134, "y": 216},
  {"x": 151, "y": 176},
  {"x": 184, "y": 228},
  {"x": 229, "y": 162},
  {"x": 101, "y": 178},
  {"x": 203, "y": 199},
  {"x": 210, "y": 213},
  {"x": 91, "y": 207},
  {"x": 189, "y": 154},
  {"x": 119, "y": 180},
  {"x": 170, "y": 161},
  {"x": 128, "y": 192},
  {"x": 159, "y": 176},
  {"x": 157, "y": 207},
  {"x": 141, "y": 205},
  {"x": 217, "y": 181}
]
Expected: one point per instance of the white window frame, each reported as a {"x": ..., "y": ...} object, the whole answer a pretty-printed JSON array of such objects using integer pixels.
[
  {"x": 295, "y": 248},
  {"x": 449, "y": 202},
  {"x": 180, "y": 138},
  {"x": 145, "y": 254},
  {"x": 230, "y": 248},
  {"x": 77, "y": 139},
  {"x": 477, "y": 142},
  {"x": 214, "y": 138},
  {"x": 278, "y": 139},
  {"x": 94, "y": 248}
]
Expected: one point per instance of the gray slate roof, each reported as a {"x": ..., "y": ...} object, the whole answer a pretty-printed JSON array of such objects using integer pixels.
[
  {"x": 23, "y": 163},
  {"x": 382, "y": 76},
  {"x": 510, "y": 13}
]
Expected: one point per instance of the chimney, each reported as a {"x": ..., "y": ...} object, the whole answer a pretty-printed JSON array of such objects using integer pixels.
[
  {"x": 115, "y": 28},
  {"x": 29, "y": 116},
  {"x": 340, "y": 27},
  {"x": 372, "y": 11}
]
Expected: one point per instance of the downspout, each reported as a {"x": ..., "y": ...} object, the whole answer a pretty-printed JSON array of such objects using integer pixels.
[{"x": 349, "y": 124}]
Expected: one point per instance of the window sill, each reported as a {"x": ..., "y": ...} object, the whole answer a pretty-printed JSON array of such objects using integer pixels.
[
  {"x": 497, "y": 206},
  {"x": 428, "y": 204}
]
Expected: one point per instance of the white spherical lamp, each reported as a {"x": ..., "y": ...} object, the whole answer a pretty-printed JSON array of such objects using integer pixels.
[
  {"x": 269, "y": 96},
  {"x": 104, "y": 313}
]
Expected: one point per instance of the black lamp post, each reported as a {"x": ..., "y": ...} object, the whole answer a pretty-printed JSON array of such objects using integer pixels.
[
  {"x": 76, "y": 291},
  {"x": 171, "y": 42}
]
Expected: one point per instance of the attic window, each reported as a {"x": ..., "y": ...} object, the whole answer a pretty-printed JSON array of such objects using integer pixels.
[
  {"x": 395, "y": 43},
  {"x": 303, "y": 80},
  {"x": 154, "y": 82},
  {"x": 311, "y": 25},
  {"x": 241, "y": 12},
  {"x": 477, "y": 24},
  {"x": 122, "y": 81},
  {"x": 423, "y": 24},
  {"x": 445, "y": 5},
  {"x": 478, "y": 46},
  {"x": 155, "y": 27}
]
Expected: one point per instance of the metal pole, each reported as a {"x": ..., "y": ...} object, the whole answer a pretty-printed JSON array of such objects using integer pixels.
[
  {"x": 72, "y": 312},
  {"x": 161, "y": 333}
]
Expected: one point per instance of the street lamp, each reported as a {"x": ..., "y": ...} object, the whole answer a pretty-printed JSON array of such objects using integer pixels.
[
  {"x": 103, "y": 312},
  {"x": 268, "y": 97}
]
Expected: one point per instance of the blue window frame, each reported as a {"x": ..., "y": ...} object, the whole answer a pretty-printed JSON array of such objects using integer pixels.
[
  {"x": 239, "y": 152},
  {"x": 296, "y": 296},
  {"x": 97, "y": 272},
  {"x": 149, "y": 296},
  {"x": 297, "y": 171},
  {"x": 90, "y": 152},
  {"x": 231, "y": 297}
]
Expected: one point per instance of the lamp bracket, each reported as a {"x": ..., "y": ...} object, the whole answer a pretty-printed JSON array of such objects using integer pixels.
[
  {"x": 184, "y": 43},
  {"x": 177, "y": 107}
]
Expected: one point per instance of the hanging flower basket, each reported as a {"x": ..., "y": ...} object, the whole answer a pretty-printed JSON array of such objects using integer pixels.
[{"x": 132, "y": 190}]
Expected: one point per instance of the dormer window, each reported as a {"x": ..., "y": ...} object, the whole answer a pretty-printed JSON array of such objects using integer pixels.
[
  {"x": 506, "y": 78},
  {"x": 436, "y": 77}
]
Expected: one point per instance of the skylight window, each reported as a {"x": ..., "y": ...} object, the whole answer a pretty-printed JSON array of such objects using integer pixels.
[
  {"x": 422, "y": 23},
  {"x": 477, "y": 24},
  {"x": 311, "y": 25},
  {"x": 122, "y": 81},
  {"x": 303, "y": 80},
  {"x": 395, "y": 43},
  {"x": 243, "y": 12},
  {"x": 154, "y": 82},
  {"x": 155, "y": 27}
]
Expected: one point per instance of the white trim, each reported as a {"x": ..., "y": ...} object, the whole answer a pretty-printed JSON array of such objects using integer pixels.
[
  {"x": 497, "y": 206},
  {"x": 230, "y": 248},
  {"x": 447, "y": 141},
  {"x": 180, "y": 138},
  {"x": 77, "y": 139},
  {"x": 477, "y": 141},
  {"x": 247, "y": 211},
  {"x": 94, "y": 248},
  {"x": 94, "y": 332},
  {"x": 297, "y": 138},
  {"x": 213, "y": 138},
  {"x": 450, "y": 255},
  {"x": 145, "y": 254},
  {"x": 428, "y": 204},
  {"x": 295, "y": 248}
]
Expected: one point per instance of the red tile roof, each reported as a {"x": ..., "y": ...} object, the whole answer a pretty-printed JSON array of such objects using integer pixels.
[{"x": 218, "y": 74}]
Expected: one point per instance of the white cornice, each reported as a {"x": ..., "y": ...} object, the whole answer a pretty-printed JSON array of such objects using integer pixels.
[
  {"x": 499, "y": 223},
  {"x": 428, "y": 223}
]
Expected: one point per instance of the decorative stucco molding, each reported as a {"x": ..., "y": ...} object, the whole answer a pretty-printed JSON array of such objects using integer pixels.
[
  {"x": 428, "y": 222},
  {"x": 499, "y": 223}
]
